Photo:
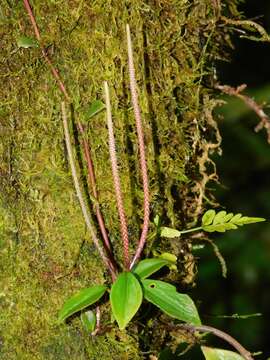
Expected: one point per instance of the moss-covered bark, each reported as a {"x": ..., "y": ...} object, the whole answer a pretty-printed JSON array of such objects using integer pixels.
[{"x": 46, "y": 253}]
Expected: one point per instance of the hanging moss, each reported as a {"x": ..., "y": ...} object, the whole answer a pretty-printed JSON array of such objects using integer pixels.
[{"x": 46, "y": 252}]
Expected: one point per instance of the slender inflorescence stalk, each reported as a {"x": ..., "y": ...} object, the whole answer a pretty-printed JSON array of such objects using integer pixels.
[
  {"x": 86, "y": 215},
  {"x": 116, "y": 179},
  {"x": 143, "y": 164}
]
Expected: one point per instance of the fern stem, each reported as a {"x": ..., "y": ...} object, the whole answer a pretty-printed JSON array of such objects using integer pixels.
[
  {"x": 116, "y": 179},
  {"x": 143, "y": 165},
  {"x": 191, "y": 230}
]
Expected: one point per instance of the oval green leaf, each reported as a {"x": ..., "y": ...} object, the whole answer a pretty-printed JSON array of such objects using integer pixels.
[
  {"x": 208, "y": 217},
  {"x": 94, "y": 109},
  {"x": 169, "y": 232},
  {"x": 248, "y": 220},
  {"x": 219, "y": 354},
  {"x": 88, "y": 319},
  {"x": 80, "y": 301},
  {"x": 174, "y": 304},
  {"x": 126, "y": 298},
  {"x": 168, "y": 256},
  {"x": 220, "y": 217},
  {"x": 147, "y": 267},
  {"x": 26, "y": 42}
]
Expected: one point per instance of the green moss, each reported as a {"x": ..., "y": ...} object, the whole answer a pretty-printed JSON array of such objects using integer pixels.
[{"x": 46, "y": 253}]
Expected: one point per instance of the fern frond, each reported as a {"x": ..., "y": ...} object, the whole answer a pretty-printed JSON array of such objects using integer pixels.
[{"x": 223, "y": 221}]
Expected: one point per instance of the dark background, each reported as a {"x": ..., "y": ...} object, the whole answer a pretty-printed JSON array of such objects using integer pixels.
[{"x": 244, "y": 172}]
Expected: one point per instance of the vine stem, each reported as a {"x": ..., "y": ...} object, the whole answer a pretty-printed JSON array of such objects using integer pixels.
[
  {"x": 143, "y": 165},
  {"x": 44, "y": 53},
  {"x": 79, "y": 192},
  {"x": 221, "y": 334},
  {"x": 116, "y": 179}
]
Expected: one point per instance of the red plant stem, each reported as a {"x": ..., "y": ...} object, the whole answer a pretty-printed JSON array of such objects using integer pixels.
[
  {"x": 32, "y": 18},
  {"x": 44, "y": 53},
  {"x": 143, "y": 164},
  {"x": 92, "y": 180},
  {"x": 116, "y": 179},
  {"x": 87, "y": 155}
]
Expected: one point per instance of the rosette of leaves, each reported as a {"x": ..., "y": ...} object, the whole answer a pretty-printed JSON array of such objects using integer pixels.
[
  {"x": 126, "y": 296},
  {"x": 128, "y": 292}
]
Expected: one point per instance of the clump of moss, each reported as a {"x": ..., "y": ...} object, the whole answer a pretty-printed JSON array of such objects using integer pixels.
[{"x": 46, "y": 253}]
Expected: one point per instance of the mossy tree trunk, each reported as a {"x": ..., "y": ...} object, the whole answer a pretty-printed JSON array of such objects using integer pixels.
[{"x": 46, "y": 252}]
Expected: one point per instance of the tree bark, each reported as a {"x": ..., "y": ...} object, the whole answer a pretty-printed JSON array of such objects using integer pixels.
[{"x": 46, "y": 252}]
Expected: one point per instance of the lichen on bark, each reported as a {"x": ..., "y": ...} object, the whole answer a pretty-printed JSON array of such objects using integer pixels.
[{"x": 46, "y": 253}]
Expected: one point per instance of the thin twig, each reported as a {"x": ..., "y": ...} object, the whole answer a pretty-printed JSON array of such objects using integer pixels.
[
  {"x": 79, "y": 192},
  {"x": 265, "y": 121},
  {"x": 221, "y": 334},
  {"x": 143, "y": 164},
  {"x": 116, "y": 179},
  {"x": 228, "y": 338}
]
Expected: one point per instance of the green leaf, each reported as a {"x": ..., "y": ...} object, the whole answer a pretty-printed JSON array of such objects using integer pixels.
[
  {"x": 169, "y": 256},
  {"x": 219, "y": 218},
  {"x": 247, "y": 220},
  {"x": 208, "y": 217},
  {"x": 219, "y": 354},
  {"x": 126, "y": 298},
  {"x": 81, "y": 300},
  {"x": 174, "y": 304},
  {"x": 169, "y": 232},
  {"x": 94, "y": 109},
  {"x": 228, "y": 217},
  {"x": 26, "y": 42},
  {"x": 157, "y": 220},
  {"x": 147, "y": 267},
  {"x": 88, "y": 319},
  {"x": 222, "y": 221}
]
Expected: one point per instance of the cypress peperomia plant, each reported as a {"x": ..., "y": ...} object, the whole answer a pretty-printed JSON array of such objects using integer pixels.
[{"x": 132, "y": 284}]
